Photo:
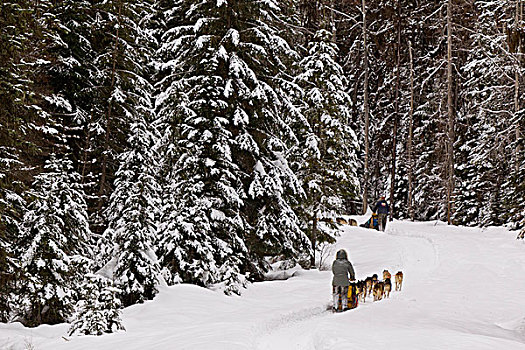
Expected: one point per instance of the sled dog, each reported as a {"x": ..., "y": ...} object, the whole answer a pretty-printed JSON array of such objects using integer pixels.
[
  {"x": 399, "y": 280},
  {"x": 368, "y": 286},
  {"x": 361, "y": 290},
  {"x": 374, "y": 280},
  {"x": 341, "y": 221},
  {"x": 386, "y": 274},
  {"x": 387, "y": 287},
  {"x": 378, "y": 291}
]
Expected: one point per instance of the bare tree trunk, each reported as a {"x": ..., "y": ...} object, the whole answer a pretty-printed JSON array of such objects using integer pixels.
[
  {"x": 332, "y": 21},
  {"x": 410, "y": 136},
  {"x": 87, "y": 146},
  {"x": 450, "y": 108},
  {"x": 102, "y": 188},
  {"x": 314, "y": 239},
  {"x": 519, "y": 49},
  {"x": 366, "y": 110},
  {"x": 396, "y": 114}
]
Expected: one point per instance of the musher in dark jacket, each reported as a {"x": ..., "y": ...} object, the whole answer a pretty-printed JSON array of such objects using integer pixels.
[
  {"x": 343, "y": 273},
  {"x": 382, "y": 210}
]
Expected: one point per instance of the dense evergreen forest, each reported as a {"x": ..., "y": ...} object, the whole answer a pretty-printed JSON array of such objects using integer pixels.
[{"x": 163, "y": 141}]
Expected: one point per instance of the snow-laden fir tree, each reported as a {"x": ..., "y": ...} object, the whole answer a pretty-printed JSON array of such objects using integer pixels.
[
  {"x": 55, "y": 241},
  {"x": 71, "y": 98},
  {"x": 262, "y": 143},
  {"x": 484, "y": 117},
  {"x": 98, "y": 308},
  {"x": 96, "y": 74},
  {"x": 430, "y": 113},
  {"x": 204, "y": 196},
  {"x": 17, "y": 137},
  {"x": 328, "y": 144},
  {"x": 15, "y": 92},
  {"x": 123, "y": 46},
  {"x": 128, "y": 247},
  {"x": 483, "y": 157},
  {"x": 230, "y": 183}
]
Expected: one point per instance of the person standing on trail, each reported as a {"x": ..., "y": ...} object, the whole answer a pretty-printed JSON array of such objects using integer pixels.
[
  {"x": 343, "y": 272},
  {"x": 382, "y": 210}
]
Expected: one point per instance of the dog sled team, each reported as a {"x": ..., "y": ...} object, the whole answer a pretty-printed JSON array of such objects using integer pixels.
[
  {"x": 347, "y": 294},
  {"x": 379, "y": 215}
]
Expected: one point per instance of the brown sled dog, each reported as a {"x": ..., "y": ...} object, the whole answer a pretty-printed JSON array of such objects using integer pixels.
[
  {"x": 378, "y": 291},
  {"x": 386, "y": 275},
  {"x": 374, "y": 279},
  {"x": 368, "y": 286},
  {"x": 399, "y": 280},
  {"x": 370, "y": 283},
  {"x": 387, "y": 287},
  {"x": 341, "y": 221},
  {"x": 361, "y": 290}
]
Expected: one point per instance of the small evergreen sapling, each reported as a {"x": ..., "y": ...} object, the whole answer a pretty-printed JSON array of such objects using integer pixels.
[{"x": 98, "y": 310}]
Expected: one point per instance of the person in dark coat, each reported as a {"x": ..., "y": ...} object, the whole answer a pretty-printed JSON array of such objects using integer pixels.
[
  {"x": 382, "y": 210},
  {"x": 343, "y": 272}
]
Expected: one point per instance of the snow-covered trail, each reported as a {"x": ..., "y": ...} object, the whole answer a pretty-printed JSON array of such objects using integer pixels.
[
  {"x": 463, "y": 289},
  {"x": 371, "y": 252}
]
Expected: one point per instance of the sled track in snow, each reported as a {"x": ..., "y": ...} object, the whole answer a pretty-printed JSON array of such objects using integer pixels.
[
  {"x": 395, "y": 232},
  {"x": 288, "y": 329},
  {"x": 291, "y": 319},
  {"x": 288, "y": 320}
]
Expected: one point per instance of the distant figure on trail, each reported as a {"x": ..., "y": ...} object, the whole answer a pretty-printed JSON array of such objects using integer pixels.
[
  {"x": 382, "y": 210},
  {"x": 343, "y": 273}
]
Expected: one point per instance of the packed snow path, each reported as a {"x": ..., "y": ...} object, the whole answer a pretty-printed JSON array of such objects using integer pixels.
[{"x": 463, "y": 289}]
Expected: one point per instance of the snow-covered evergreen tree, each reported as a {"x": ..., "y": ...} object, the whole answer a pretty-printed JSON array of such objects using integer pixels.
[
  {"x": 328, "y": 144},
  {"x": 484, "y": 159},
  {"x": 430, "y": 113},
  {"x": 55, "y": 238},
  {"x": 123, "y": 46},
  {"x": 96, "y": 77},
  {"x": 70, "y": 78},
  {"x": 18, "y": 143},
  {"x": 231, "y": 182},
  {"x": 202, "y": 218},
  {"x": 15, "y": 91},
  {"x": 98, "y": 310},
  {"x": 129, "y": 241}
]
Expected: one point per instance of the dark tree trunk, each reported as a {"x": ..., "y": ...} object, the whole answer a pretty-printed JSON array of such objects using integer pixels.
[{"x": 396, "y": 114}]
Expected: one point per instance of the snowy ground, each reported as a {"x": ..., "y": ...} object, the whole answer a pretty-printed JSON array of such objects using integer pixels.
[{"x": 463, "y": 289}]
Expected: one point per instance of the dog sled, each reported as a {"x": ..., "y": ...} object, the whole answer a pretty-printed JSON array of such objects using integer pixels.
[
  {"x": 352, "y": 296},
  {"x": 373, "y": 222}
]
